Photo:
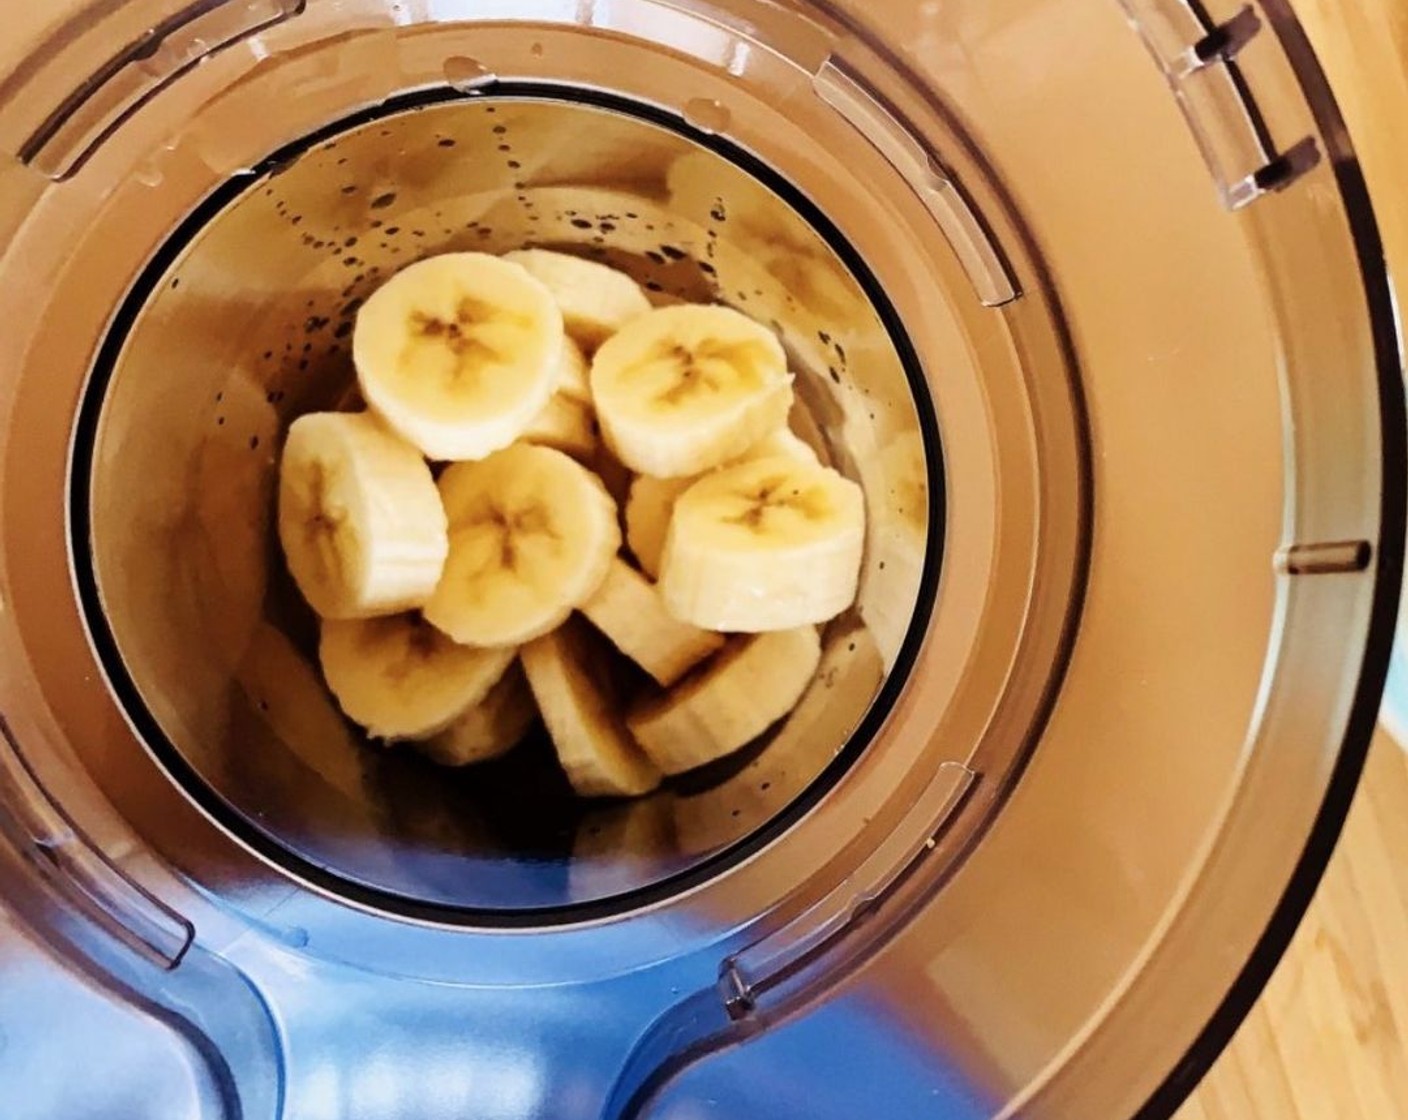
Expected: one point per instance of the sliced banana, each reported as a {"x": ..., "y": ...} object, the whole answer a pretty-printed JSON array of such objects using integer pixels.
[
  {"x": 847, "y": 680},
  {"x": 596, "y": 300},
  {"x": 532, "y": 536},
  {"x": 360, "y": 521},
  {"x": 459, "y": 353},
  {"x": 400, "y": 678},
  {"x": 648, "y": 510},
  {"x": 567, "y": 673},
  {"x": 770, "y": 544},
  {"x": 628, "y": 610},
  {"x": 651, "y": 501},
  {"x": 567, "y": 425},
  {"x": 687, "y": 388},
  {"x": 750, "y": 686},
  {"x": 781, "y": 442},
  {"x": 575, "y": 378},
  {"x": 488, "y": 730}
]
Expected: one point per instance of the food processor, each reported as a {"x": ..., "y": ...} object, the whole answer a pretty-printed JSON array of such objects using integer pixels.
[{"x": 1087, "y": 297}]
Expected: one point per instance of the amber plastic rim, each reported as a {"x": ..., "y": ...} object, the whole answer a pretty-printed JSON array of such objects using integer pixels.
[{"x": 1300, "y": 891}]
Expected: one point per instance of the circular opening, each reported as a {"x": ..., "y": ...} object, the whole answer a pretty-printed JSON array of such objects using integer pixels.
[{"x": 244, "y": 323}]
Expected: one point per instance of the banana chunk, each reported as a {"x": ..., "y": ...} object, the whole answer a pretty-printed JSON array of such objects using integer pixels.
[
  {"x": 532, "y": 536},
  {"x": 648, "y": 509},
  {"x": 360, "y": 522},
  {"x": 847, "y": 679},
  {"x": 628, "y": 610},
  {"x": 489, "y": 729},
  {"x": 770, "y": 544},
  {"x": 574, "y": 380},
  {"x": 683, "y": 389},
  {"x": 782, "y": 442},
  {"x": 459, "y": 353},
  {"x": 750, "y": 686},
  {"x": 582, "y": 713},
  {"x": 567, "y": 425},
  {"x": 596, "y": 300},
  {"x": 400, "y": 678},
  {"x": 651, "y": 501}
]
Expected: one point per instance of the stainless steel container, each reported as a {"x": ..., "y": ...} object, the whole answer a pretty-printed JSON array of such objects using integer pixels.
[{"x": 1088, "y": 298}]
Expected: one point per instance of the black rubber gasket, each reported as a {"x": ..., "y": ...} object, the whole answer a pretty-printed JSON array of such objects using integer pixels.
[{"x": 246, "y": 829}]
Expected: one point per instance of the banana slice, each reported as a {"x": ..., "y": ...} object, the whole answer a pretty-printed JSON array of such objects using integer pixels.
[
  {"x": 651, "y": 501},
  {"x": 568, "y": 426},
  {"x": 847, "y": 680},
  {"x": 360, "y": 522},
  {"x": 532, "y": 536},
  {"x": 459, "y": 353},
  {"x": 489, "y": 729},
  {"x": 629, "y": 611},
  {"x": 750, "y": 686},
  {"x": 575, "y": 378},
  {"x": 687, "y": 388},
  {"x": 782, "y": 442},
  {"x": 767, "y": 545},
  {"x": 400, "y": 678},
  {"x": 648, "y": 510},
  {"x": 596, "y": 300},
  {"x": 582, "y": 712}
]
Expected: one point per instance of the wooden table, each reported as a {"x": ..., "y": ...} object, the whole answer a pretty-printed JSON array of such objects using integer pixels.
[{"x": 1329, "y": 1039}]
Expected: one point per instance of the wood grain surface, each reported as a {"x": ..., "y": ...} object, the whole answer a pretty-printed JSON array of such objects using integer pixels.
[{"x": 1329, "y": 1039}]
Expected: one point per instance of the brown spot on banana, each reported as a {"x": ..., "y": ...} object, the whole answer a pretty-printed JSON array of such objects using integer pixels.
[
  {"x": 769, "y": 498},
  {"x": 418, "y": 639},
  {"x": 698, "y": 368},
  {"x": 461, "y": 335},
  {"x": 512, "y": 527},
  {"x": 324, "y": 527}
]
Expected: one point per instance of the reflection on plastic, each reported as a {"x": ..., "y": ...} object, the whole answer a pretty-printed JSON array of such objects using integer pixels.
[
  {"x": 776, "y": 1076},
  {"x": 127, "y": 1065}
]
